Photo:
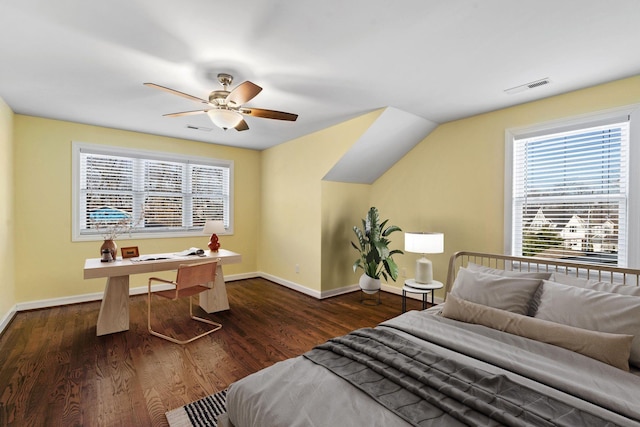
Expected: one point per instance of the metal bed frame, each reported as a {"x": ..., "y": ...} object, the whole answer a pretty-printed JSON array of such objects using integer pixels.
[{"x": 601, "y": 273}]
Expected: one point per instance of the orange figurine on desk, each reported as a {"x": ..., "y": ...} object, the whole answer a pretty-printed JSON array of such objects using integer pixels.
[
  {"x": 214, "y": 244},
  {"x": 213, "y": 227}
]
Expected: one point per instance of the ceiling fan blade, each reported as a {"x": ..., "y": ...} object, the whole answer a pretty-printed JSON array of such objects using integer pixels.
[
  {"x": 269, "y": 114},
  {"x": 242, "y": 126},
  {"x": 244, "y": 92},
  {"x": 185, "y": 113},
  {"x": 176, "y": 92}
]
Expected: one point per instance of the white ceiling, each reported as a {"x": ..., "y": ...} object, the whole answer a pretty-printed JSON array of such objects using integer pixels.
[{"x": 328, "y": 61}]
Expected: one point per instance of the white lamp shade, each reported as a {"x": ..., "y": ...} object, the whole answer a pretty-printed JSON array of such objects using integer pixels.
[
  {"x": 424, "y": 242},
  {"x": 225, "y": 119},
  {"x": 213, "y": 227}
]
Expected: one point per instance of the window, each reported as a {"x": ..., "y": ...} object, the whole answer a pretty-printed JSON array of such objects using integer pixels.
[
  {"x": 569, "y": 191},
  {"x": 162, "y": 194}
]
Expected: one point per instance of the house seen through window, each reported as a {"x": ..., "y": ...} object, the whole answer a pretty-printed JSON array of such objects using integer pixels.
[
  {"x": 570, "y": 194},
  {"x": 151, "y": 194}
]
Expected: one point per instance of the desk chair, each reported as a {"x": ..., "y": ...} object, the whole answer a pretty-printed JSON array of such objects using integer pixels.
[{"x": 190, "y": 280}]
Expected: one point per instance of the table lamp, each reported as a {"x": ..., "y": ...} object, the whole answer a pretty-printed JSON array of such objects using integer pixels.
[
  {"x": 215, "y": 228},
  {"x": 424, "y": 243}
]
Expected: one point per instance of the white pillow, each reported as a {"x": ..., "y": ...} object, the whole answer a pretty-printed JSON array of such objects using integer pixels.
[
  {"x": 504, "y": 292},
  {"x": 595, "y": 284},
  {"x": 511, "y": 273},
  {"x": 593, "y": 310}
]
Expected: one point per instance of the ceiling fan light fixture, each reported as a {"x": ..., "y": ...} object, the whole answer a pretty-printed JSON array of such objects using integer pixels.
[
  {"x": 224, "y": 118},
  {"x": 224, "y": 107}
]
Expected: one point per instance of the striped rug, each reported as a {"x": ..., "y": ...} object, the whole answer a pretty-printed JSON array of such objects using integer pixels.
[{"x": 201, "y": 413}]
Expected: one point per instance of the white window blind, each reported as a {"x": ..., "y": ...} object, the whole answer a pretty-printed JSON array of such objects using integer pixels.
[
  {"x": 570, "y": 194},
  {"x": 162, "y": 194}
]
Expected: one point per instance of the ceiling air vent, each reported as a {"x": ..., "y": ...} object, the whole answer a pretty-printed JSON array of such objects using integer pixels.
[
  {"x": 204, "y": 129},
  {"x": 528, "y": 86}
]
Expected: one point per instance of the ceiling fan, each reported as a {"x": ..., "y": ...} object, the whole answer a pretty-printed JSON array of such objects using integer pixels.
[{"x": 224, "y": 107}]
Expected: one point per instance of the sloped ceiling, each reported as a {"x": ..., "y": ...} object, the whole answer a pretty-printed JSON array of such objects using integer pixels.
[{"x": 388, "y": 139}]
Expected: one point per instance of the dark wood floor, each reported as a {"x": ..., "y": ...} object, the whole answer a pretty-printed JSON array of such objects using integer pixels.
[{"x": 55, "y": 371}]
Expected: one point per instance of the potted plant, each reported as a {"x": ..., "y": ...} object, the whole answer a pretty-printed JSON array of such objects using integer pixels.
[{"x": 375, "y": 257}]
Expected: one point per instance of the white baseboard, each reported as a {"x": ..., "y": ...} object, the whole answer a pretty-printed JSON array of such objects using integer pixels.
[
  {"x": 291, "y": 285},
  {"x": 53, "y": 302},
  {"x": 335, "y": 292},
  {"x": 340, "y": 291},
  {"x": 311, "y": 292},
  {"x": 6, "y": 319},
  {"x": 75, "y": 299},
  {"x": 241, "y": 276}
]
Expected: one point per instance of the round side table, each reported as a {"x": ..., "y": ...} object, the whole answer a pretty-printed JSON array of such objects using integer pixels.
[{"x": 413, "y": 287}]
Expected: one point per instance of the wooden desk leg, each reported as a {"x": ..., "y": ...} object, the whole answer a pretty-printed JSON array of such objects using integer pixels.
[
  {"x": 215, "y": 299},
  {"x": 114, "y": 310}
]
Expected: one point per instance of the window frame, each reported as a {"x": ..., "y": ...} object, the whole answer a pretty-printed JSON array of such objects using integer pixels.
[
  {"x": 632, "y": 238},
  {"x": 78, "y": 147}
]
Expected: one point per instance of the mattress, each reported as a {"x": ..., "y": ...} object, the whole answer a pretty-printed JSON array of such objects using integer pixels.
[{"x": 300, "y": 392}]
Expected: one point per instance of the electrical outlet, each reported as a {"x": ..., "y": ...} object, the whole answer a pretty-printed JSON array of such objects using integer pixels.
[
  {"x": 404, "y": 272},
  {"x": 297, "y": 268}
]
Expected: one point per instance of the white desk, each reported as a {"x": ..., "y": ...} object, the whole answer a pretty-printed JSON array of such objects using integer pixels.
[{"x": 114, "y": 310}]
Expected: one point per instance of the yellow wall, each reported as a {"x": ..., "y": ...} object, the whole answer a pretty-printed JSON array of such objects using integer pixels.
[
  {"x": 291, "y": 223},
  {"x": 7, "y": 213},
  {"x": 47, "y": 263},
  {"x": 453, "y": 181},
  {"x": 285, "y": 215},
  {"x": 343, "y": 206}
]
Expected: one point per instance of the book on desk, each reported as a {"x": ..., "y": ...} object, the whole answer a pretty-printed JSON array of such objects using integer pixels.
[{"x": 186, "y": 253}]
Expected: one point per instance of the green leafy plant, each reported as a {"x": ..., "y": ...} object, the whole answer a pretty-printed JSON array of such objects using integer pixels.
[{"x": 373, "y": 245}]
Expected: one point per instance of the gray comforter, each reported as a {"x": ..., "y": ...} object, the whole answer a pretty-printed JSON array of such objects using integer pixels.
[{"x": 404, "y": 372}]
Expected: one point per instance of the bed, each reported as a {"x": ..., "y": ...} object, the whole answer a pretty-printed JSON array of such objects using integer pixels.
[{"x": 518, "y": 341}]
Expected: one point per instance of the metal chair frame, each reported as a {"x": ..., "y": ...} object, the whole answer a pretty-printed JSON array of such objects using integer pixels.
[{"x": 191, "y": 280}]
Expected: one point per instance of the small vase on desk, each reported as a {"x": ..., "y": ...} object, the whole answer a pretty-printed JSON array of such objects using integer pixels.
[{"x": 111, "y": 246}]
